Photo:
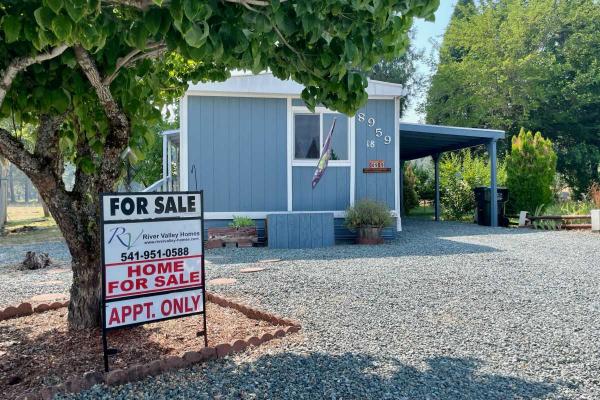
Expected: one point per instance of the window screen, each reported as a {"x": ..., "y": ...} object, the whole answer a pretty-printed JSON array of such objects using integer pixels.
[{"x": 307, "y": 144}]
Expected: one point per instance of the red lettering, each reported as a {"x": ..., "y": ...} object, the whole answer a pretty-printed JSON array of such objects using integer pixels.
[
  {"x": 114, "y": 317},
  {"x": 166, "y": 308},
  {"x": 164, "y": 268},
  {"x": 148, "y": 313},
  {"x": 159, "y": 281},
  {"x": 112, "y": 286},
  {"x": 133, "y": 270},
  {"x": 195, "y": 276},
  {"x": 178, "y": 266},
  {"x": 178, "y": 305},
  {"x": 196, "y": 301}
]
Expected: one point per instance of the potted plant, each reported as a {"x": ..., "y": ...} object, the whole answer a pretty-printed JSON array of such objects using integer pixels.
[{"x": 368, "y": 217}]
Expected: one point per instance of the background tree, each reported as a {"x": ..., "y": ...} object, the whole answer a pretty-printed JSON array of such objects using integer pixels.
[
  {"x": 92, "y": 75},
  {"x": 403, "y": 69},
  {"x": 531, "y": 169},
  {"x": 410, "y": 197},
  {"x": 507, "y": 64}
]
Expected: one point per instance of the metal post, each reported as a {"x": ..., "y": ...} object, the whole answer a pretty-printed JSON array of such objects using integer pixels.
[
  {"x": 436, "y": 163},
  {"x": 493, "y": 184},
  {"x": 401, "y": 183}
]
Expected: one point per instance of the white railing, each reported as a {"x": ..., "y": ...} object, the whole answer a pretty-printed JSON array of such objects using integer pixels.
[{"x": 166, "y": 184}]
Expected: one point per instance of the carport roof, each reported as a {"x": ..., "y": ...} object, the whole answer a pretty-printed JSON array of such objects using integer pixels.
[{"x": 422, "y": 140}]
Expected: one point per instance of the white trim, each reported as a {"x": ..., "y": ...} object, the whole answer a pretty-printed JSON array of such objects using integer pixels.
[
  {"x": 192, "y": 92},
  {"x": 397, "y": 162},
  {"x": 303, "y": 162},
  {"x": 263, "y": 214},
  {"x": 352, "y": 151},
  {"x": 290, "y": 152},
  {"x": 183, "y": 139},
  {"x": 267, "y": 83},
  {"x": 165, "y": 147},
  {"x": 313, "y": 163}
]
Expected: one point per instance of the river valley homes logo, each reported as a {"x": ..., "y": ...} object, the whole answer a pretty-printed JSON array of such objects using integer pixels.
[{"x": 124, "y": 237}]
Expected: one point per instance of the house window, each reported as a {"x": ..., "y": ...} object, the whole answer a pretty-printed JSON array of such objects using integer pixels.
[
  {"x": 307, "y": 140},
  {"x": 310, "y": 133}
]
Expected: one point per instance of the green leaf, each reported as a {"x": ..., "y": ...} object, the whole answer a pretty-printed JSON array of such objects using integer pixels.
[
  {"x": 44, "y": 16},
  {"x": 87, "y": 165},
  {"x": 138, "y": 36},
  {"x": 59, "y": 100},
  {"x": 55, "y": 5},
  {"x": 62, "y": 27},
  {"x": 196, "y": 10},
  {"x": 152, "y": 20},
  {"x": 196, "y": 36},
  {"x": 75, "y": 9},
  {"x": 11, "y": 25}
]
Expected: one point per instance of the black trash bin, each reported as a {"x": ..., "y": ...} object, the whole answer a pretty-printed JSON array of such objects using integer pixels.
[{"x": 483, "y": 196}]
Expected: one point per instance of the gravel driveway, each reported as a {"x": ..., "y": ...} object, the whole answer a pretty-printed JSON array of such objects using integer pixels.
[{"x": 447, "y": 311}]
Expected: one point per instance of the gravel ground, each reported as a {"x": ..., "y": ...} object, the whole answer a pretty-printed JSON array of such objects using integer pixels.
[
  {"x": 18, "y": 286},
  {"x": 447, "y": 311}
]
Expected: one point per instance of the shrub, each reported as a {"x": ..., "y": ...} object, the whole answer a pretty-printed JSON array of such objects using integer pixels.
[
  {"x": 368, "y": 213},
  {"x": 594, "y": 194},
  {"x": 425, "y": 185},
  {"x": 531, "y": 169},
  {"x": 460, "y": 173},
  {"x": 241, "y": 222},
  {"x": 410, "y": 197}
]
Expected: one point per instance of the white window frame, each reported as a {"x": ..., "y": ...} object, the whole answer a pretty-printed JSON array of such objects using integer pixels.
[{"x": 303, "y": 162}]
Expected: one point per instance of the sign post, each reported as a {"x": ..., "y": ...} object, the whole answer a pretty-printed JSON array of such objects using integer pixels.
[{"x": 152, "y": 259}]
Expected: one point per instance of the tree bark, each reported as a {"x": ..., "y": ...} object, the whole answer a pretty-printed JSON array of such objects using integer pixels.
[
  {"x": 11, "y": 183},
  {"x": 4, "y": 165}
]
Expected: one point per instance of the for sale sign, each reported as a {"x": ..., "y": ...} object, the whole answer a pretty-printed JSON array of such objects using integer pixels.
[{"x": 153, "y": 259}]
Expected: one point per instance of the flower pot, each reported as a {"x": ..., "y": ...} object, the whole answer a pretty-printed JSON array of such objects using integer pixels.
[{"x": 369, "y": 235}]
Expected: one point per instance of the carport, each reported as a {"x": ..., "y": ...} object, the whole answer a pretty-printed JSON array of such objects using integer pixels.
[{"x": 422, "y": 140}]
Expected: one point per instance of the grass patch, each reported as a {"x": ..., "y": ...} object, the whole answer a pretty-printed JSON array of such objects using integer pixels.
[
  {"x": 20, "y": 216},
  {"x": 425, "y": 212}
]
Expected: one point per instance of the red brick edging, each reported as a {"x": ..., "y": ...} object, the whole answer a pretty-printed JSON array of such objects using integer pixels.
[{"x": 140, "y": 371}]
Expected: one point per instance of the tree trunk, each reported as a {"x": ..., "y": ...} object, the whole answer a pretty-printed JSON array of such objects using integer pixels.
[
  {"x": 3, "y": 192},
  {"x": 11, "y": 183},
  {"x": 86, "y": 292},
  {"x": 45, "y": 209},
  {"x": 27, "y": 190}
]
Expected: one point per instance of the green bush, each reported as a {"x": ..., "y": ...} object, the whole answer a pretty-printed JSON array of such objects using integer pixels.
[
  {"x": 425, "y": 185},
  {"x": 241, "y": 222},
  {"x": 368, "y": 213},
  {"x": 410, "y": 197},
  {"x": 460, "y": 173},
  {"x": 531, "y": 169}
]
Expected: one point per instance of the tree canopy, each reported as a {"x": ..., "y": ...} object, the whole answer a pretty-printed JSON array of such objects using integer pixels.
[
  {"x": 510, "y": 64},
  {"x": 92, "y": 76}
]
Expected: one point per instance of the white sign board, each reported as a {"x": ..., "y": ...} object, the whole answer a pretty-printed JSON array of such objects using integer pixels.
[{"x": 153, "y": 262}]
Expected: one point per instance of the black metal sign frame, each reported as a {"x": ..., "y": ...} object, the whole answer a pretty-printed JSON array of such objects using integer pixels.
[{"x": 202, "y": 287}]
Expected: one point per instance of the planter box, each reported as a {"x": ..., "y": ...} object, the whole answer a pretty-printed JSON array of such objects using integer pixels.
[{"x": 241, "y": 237}]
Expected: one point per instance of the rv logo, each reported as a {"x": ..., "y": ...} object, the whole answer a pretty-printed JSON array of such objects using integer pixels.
[{"x": 125, "y": 238}]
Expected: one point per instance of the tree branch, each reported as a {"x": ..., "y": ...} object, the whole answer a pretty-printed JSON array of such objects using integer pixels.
[
  {"x": 19, "y": 64},
  {"x": 118, "y": 137},
  {"x": 155, "y": 50},
  {"x": 46, "y": 145},
  {"x": 14, "y": 150}
]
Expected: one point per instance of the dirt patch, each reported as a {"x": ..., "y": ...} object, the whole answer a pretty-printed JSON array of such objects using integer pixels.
[{"x": 38, "y": 350}]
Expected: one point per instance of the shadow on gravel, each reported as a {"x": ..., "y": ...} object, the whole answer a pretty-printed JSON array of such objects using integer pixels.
[
  {"x": 397, "y": 248},
  {"x": 324, "y": 376}
]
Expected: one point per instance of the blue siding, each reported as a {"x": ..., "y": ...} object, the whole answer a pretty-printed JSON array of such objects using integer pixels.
[
  {"x": 238, "y": 146},
  {"x": 378, "y": 186},
  {"x": 301, "y": 230},
  {"x": 331, "y": 194}
]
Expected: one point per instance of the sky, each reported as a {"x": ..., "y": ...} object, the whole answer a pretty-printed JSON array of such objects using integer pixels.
[{"x": 425, "y": 32}]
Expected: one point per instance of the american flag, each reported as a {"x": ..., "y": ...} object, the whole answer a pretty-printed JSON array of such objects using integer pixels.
[{"x": 325, "y": 157}]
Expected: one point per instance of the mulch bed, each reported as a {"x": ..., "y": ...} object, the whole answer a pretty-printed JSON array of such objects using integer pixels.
[{"x": 38, "y": 350}]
